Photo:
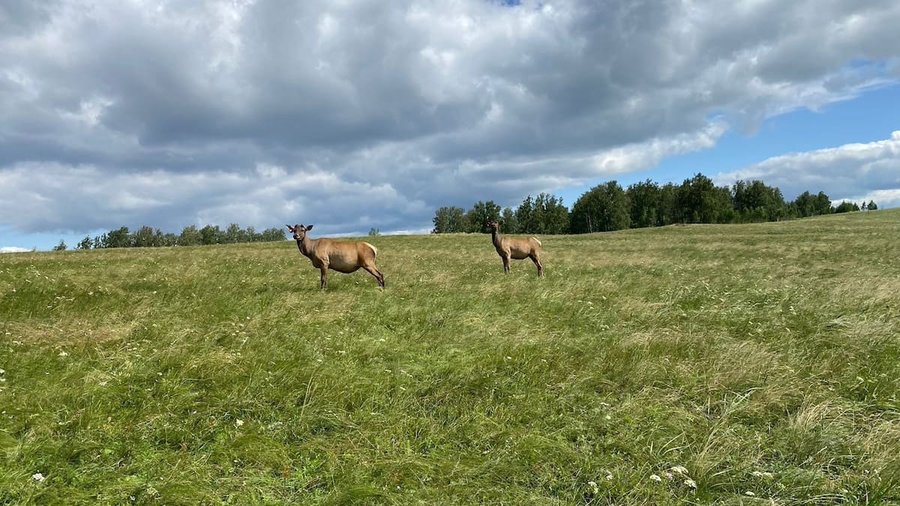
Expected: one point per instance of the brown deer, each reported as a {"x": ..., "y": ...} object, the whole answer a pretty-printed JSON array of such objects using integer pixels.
[
  {"x": 338, "y": 256},
  {"x": 516, "y": 248}
]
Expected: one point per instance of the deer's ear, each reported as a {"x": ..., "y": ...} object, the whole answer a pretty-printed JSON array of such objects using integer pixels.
[
  {"x": 290, "y": 228},
  {"x": 309, "y": 227}
]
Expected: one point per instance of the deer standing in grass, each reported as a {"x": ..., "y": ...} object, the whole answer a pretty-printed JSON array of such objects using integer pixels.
[
  {"x": 516, "y": 248},
  {"x": 338, "y": 256}
]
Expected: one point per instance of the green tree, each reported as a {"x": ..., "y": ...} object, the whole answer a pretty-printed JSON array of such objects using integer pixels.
[
  {"x": 190, "y": 236},
  {"x": 525, "y": 219},
  {"x": 846, "y": 207},
  {"x": 510, "y": 223},
  {"x": 544, "y": 214},
  {"x": 872, "y": 205},
  {"x": 550, "y": 215},
  {"x": 234, "y": 234},
  {"x": 600, "y": 209},
  {"x": 211, "y": 234},
  {"x": 448, "y": 220},
  {"x": 272, "y": 234},
  {"x": 85, "y": 243},
  {"x": 146, "y": 237},
  {"x": 61, "y": 246},
  {"x": 754, "y": 201},
  {"x": 667, "y": 209},
  {"x": 119, "y": 238},
  {"x": 699, "y": 200},
  {"x": 823, "y": 204},
  {"x": 480, "y": 214},
  {"x": 805, "y": 204},
  {"x": 644, "y": 204}
]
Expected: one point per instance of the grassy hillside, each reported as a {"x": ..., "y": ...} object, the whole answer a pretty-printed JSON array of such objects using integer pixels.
[{"x": 696, "y": 364}]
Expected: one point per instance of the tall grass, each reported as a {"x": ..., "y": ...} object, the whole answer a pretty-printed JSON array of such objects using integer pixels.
[{"x": 698, "y": 364}]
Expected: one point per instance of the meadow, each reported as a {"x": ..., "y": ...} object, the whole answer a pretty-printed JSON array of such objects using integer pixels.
[{"x": 701, "y": 364}]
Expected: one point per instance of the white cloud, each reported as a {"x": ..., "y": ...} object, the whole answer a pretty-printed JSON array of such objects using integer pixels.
[
  {"x": 12, "y": 249},
  {"x": 369, "y": 113},
  {"x": 883, "y": 198},
  {"x": 849, "y": 172},
  {"x": 646, "y": 155},
  {"x": 260, "y": 198}
]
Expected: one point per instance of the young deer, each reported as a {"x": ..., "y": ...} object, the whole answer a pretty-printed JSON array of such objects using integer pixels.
[
  {"x": 516, "y": 248},
  {"x": 338, "y": 256}
]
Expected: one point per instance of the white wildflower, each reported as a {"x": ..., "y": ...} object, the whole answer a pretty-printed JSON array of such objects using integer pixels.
[
  {"x": 762, "y": 474},
  {"x": 38, "y": 477},
  {"x": 749, "y": 494},
  {"x": 239, "y": 422},
  {"x": 680, "y": 470},
  {"x": 594, "y": 488},
  {"x": 63, "y": 354},
  {"x": 655, "y": 478},
  {"x": 690, "y": 483}
]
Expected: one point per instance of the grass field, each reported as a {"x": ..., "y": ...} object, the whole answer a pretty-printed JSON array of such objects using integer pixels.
[{"x": 735, "y": 364}]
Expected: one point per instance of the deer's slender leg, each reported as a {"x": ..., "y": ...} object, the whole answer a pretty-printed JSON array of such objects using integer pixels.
[
  {"x": 537, "y": 262},
  {"x": 375, "y": 272},
  {"x": 323, "y": 277}
]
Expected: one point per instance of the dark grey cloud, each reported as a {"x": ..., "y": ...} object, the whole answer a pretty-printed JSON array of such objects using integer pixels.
[
  {"x": 360, "y": 114},
  {"x": 22, "y": 17}
]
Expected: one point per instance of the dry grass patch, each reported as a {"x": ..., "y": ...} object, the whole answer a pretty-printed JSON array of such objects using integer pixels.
[{"x": 66, "y": 333}]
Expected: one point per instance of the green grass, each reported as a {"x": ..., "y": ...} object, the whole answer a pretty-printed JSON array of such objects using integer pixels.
[{"x": 764, "y": 359}]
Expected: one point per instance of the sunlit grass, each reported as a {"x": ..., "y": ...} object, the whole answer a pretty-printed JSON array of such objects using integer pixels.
[{"x": 750, "y": 363}]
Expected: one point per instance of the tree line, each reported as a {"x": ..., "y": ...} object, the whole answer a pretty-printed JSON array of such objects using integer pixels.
[
  {"x": 149, "y": 237},
  {"x": 608, "y": 207}
]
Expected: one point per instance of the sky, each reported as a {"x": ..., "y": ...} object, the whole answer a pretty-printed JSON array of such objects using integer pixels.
[{"x": 352, "y": 115}]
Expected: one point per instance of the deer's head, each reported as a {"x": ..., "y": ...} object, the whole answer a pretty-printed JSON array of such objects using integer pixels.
[{"x": 299, "y": 231}]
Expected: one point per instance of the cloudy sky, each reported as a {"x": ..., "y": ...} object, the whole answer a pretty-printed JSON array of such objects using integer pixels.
[{"x": 359, "y": 114}]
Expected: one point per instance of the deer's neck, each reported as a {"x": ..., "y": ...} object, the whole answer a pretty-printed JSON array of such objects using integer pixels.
[
  {"x": 495, "y": 238},
  {"x": 306, "y": 246}
]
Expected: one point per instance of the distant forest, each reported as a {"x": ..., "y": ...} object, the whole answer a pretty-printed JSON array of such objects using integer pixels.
[
  {"x": 148, "y": 237},
  {"x": 603, "y": 208},
  {"x": 608, "y": 207}
]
